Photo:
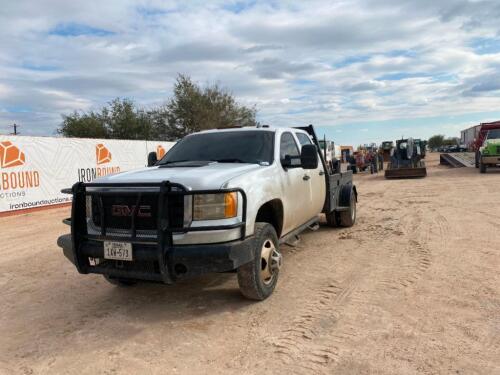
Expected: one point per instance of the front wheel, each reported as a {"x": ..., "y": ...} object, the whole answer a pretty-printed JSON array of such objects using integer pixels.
[
  {"x": 258, "y": 278},
  {"x": 482, "y": 167}
]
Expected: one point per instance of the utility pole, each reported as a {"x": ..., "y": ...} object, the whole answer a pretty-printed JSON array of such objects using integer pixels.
[{"x": 15, "y": 126}]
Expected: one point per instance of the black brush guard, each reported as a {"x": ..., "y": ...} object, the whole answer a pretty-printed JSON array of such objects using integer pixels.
[{"x": 156, "y": 249}]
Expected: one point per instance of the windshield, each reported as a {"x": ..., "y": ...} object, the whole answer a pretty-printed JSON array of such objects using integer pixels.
[
  {"x": 224, "y": 147},
  {"x": 493, "y": 134}
]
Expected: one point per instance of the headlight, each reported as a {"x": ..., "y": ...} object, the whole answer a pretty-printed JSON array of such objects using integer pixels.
[{"x": 215, "y": 206}]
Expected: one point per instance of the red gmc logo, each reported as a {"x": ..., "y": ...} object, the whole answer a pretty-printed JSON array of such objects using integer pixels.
[{"x": 125, "y": 211}]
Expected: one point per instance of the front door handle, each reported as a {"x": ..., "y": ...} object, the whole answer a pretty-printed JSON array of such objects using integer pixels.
[
  {"x": 306, "y": 177},
  {"x": 321, "y": 173}
]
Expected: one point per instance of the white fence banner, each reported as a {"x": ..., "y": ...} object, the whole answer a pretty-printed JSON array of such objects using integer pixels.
[{"x": 33, "y": 170}]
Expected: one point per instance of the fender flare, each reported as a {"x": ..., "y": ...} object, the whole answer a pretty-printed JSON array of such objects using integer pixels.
[{"x": 346, "y": 193}]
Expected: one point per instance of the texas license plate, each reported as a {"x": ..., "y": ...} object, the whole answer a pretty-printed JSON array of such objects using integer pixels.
[{"x": 117, "y": 250}]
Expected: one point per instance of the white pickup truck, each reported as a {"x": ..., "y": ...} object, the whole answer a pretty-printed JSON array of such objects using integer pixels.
[{"x": 218, "y": 201}]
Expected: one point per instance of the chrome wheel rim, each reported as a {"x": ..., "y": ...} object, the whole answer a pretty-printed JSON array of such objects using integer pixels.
[
  {"x": 353, "y": 207},
  {"x": 270, "y": 262}
]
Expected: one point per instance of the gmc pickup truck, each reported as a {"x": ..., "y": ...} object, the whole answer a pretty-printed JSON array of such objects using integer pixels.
[{"x": 218, "y": 201}]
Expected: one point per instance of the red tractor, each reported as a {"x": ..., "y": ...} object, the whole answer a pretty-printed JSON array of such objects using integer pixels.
[{"x": 363, "y": 160}]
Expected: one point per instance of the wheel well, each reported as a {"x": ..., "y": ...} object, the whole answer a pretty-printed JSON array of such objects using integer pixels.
[{"x": 272, "y": 212}]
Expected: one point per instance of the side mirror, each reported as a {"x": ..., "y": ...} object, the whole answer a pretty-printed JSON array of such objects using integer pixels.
[
  {"x": 152, "y": 159},
  {"x": 290, "y": 162},
  {"x": 309, "y": 157}
]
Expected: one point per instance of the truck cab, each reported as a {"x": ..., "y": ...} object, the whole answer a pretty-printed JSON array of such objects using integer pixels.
[{"x": 489, "y": 152}]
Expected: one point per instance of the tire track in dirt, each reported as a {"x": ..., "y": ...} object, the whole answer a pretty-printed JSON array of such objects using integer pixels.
[
  {"x": 314, "y": 340},
  {"x": 306, "y": 343}
]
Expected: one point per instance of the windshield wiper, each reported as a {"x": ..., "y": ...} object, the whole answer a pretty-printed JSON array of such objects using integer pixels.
[
  {"x": 230, "y": 160},
  {"x": 173, "y": 161}
]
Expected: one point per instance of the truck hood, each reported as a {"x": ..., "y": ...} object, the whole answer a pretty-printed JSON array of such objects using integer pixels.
[
  {"x": 493, "y": 141},
  {"x": 206, "y": 176}
]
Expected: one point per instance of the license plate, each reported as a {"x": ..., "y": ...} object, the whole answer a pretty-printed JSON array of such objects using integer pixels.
[{"x": 117, "y": 250}]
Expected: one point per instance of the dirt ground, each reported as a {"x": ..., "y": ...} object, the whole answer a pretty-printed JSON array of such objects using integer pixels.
[{"x": 413, "y": 287}]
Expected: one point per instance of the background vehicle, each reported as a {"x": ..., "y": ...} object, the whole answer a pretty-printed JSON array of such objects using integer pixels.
[
  {"x": 385, "y": 149},
  {"x": 481, "y": 136},
  {"x": 331, "y": 154},
  {"x": 365, "y": 159},
  {"x": 406, "y": 160},
  {"x": 421, "y": 147},
  {"x": 218, "y": 201},
  {"x": 489, "y": 152}
]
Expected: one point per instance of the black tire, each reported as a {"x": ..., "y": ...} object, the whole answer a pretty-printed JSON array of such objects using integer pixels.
[
  {"x": 477, "y": 159},
  {"x": 250, "y": 275},
  {"x": 482, "y": 167},
  {"x": 120, "y": 281},
  {"x": 354, "y": 169},
  {"x": 332, "y": 219},
  {"x": 348, "y": 217}
]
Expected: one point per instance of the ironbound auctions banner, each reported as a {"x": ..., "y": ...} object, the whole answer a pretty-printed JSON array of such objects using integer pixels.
[{"x": 33, "y": 170}]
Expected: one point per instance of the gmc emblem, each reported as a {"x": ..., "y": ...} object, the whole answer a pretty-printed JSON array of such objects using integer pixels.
[{"x": 126, "y": 211}]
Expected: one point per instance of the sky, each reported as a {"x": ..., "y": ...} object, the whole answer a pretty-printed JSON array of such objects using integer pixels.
[{"x": 361, "y": 71}]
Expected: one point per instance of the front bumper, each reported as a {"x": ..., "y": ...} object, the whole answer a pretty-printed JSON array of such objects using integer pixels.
[
  {"x": 181, "y": 261},
  {"x": 155, "y": 258},
  {"x": 490, "y": 159}
]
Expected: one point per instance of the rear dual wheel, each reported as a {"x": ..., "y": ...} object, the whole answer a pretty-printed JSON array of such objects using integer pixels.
[
  {"x": 348, "y": 217},
  {"x": 345, "y": 218}
]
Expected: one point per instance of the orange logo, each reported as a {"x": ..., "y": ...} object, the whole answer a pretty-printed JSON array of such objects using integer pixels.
[
  {"x": 102, "y": 154},
  {"x": 160, "y": 152},
  {"x": 10, "y": 155}
]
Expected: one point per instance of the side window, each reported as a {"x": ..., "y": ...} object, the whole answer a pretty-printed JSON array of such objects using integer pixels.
[
  {"x": 288, "y": 146},
  {"x": 303, "y": 139}
]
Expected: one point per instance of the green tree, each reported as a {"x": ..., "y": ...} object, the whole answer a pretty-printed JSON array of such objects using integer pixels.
[
  {"x": 83, "y": 125},
  {"x": 120, "y": 119},
  {"x": 435, "y": 141},
  {"x": 193, "y": 108},
  {"x": 190, "y": 109},
  {"x": 451, "y": 141},
  {"x": 125, "y": 121}
]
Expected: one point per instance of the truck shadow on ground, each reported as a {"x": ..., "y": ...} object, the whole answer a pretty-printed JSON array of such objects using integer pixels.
[{"x": 82, "y": 306}]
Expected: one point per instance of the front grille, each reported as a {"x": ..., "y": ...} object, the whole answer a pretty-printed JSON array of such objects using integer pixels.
[
  {"x": 118, "y": 211},
  {"x": 498, "y": 150}
]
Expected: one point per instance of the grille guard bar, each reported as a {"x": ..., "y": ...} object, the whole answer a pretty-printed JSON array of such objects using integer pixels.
[{"x": 164, "y": 232}]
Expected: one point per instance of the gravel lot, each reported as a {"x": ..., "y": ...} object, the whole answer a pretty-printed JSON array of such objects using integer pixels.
[{"x": 413, "y": 287}]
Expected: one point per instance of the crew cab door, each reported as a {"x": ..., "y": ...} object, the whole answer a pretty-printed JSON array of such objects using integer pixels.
[
  {"x": 316, "y": 183},
  {"x": 295, "y": 187}
]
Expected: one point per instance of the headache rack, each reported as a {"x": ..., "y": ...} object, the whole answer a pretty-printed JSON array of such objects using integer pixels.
[{"x": 158, "y": 244}]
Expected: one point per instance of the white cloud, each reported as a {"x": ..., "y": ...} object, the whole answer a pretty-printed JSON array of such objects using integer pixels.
[{"x": 300, "y": 62}]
